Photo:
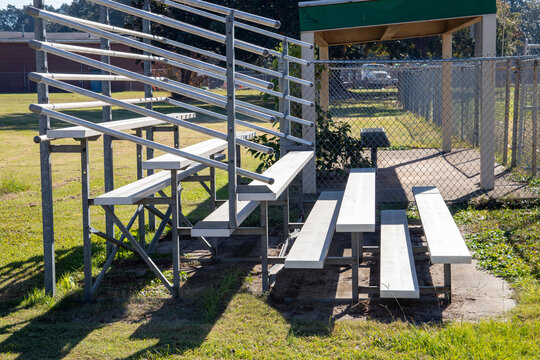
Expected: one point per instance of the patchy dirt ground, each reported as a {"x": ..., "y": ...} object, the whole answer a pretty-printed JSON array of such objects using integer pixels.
[{"x": 475, "y": 293}]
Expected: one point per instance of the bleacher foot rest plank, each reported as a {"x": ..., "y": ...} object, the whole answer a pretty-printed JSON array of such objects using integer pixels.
[
  {"x": 398, "y": 273},
  {"x": 311, "y": 246}
]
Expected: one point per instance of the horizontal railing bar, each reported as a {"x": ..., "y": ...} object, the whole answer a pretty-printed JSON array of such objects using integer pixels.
[
  {"x": 238, "y": 122},
  {"x": 265, "y": 85},
  {"x": 93, "y": 104},
  {"x": 182, "y": 26},
  {"x": 144, "y": 111},
  {"x": 183, "y": 46},
  {"x": 238, "y": 24},
  {"x": 92, "y": 77},
  {"x": 179, "y": 88},
  {"x": 36, "y": 108},
  {"x": 237, "y": 13},
  {"x": 280, "y": 115},
  {"x": 182, "y": 61}
]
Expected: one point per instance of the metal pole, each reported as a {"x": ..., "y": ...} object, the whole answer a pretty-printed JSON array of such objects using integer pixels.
[
  {"x": 87, "y": 237},
  {"x": 264, "y": 247},
  {"x": 534, "y": 118},
  {"x": 106, "y": 111},
  {"x": 355, "y": 240},
  {"x": 231, "y": 120},
  {"x": 174, "y": 233},
  {"x": 146, "y": 28},
  {"x": 45, "y": 164},
  {"x": 516, "y": 114},
  {"x": 142, "y": 222},
  {"x": 507, "y": 111},
  {"x": 284, "y": 125}
]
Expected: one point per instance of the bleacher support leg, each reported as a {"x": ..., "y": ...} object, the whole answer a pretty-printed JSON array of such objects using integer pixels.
[
  {"x": 213, "y": 196},
  {"x": 355, "y": 242},
  {"x": 264, "y": 247},
  {"x": 448, "y": 282},
  {"x": 87, "y": 239},
  {"x": 142, "y": 222},
  {"x": 174, "y": 234}
]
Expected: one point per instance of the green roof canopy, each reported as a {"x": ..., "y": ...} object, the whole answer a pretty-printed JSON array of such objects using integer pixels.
[{"x": 424, "y": 18}]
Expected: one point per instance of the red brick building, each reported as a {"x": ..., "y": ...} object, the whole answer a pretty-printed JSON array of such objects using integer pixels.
[{"x": 18, "y": 59}]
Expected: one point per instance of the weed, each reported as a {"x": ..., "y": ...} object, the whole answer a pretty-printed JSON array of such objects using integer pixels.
[
  {"x": 214, "y": 296},
  {"x": 37, "y": 297},
  {"x": 11, "y": 185}
]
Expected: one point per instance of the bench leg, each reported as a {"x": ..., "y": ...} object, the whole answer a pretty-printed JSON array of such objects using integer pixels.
[
  {"x": 264, "y": 247},
  {"x": 213, "y": 196},
  {"x": 355, "y": 244},
  {"x": 286, "y": 216},
  {"x": 142, "y": 222},
  {"x": 448, "y": 282},
  {"x": 174, "y": 234}
]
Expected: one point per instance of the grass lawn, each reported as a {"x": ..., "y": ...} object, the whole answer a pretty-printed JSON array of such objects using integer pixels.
[{"x": 134, "y": 318}]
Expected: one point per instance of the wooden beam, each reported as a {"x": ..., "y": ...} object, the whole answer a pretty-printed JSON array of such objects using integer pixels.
[
  {"x": 319, "y": 39},
  {"x": 390, "y": 31},
  {"x": 454, "y": 25}
]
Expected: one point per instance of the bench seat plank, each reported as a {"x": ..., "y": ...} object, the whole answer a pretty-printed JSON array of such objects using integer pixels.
[
  {"x": 311, "y": 246},
  {"x": 398, "y": 273},
  {"x": 357, "y": 211},
  {"x": 133, "y": 192},
  {"x": 445, "y": 242},
  {"x": 80, "y": 132},
  {"x": 283, "y": 172},
  {"x": 217, "y": 223}
]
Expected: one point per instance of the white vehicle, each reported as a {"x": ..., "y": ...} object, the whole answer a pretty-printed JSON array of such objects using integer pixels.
[{"x": 376, "y": 76}]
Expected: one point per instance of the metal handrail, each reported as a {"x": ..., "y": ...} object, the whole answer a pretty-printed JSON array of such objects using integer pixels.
[
  {"x": 237, "y": 24},
  {"x": 38, "y": 78},
  {"x": 40, "y": 110},
  {"x": 93, "y": 104},
  {"x": 164, "y": 40},
  {"x": 238, "y": 122},
  {"x": 237, "y": 13},
  {"x": 182, "y": 61}
]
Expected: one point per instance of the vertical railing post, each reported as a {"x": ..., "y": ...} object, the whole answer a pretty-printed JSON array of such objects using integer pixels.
[
  {"x": 87, "y": 236},
  {"x": 108, "y": 171},
  {"x": 146, "y": 28},
  {"x": 284, "y": 125},
  {"x": 231, "y": 119},
  {"x": 516, "y": 114},
  {"x": 507, "y": 111},
  {"x": 45, "y": 163},
  {"x": 534, "y": 119}
]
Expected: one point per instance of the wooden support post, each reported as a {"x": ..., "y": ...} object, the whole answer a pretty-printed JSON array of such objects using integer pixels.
[
  {"x": 446, "y": 92},
  {"x": 47, "y": 214},
  {"x": 487, "y": 38},
  {"x": 309, "y": 179}
]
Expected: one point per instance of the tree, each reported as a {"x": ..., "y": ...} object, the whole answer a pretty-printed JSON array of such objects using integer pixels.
[
  {"x": 509, "y": 33},
  {"x": 530, "y": 21}
]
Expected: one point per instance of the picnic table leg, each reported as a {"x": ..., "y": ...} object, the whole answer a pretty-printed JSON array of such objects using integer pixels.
[
  {"x": 355, "y": 242},
  {"x": 264, "y": 247}
]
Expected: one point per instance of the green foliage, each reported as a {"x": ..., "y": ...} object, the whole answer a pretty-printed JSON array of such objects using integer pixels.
[
  {"x": 336, "y": 148},
  {"x": 37, "y": 297},
  {"x": 505, "y": 241},
  {"x": 11, "y": 185}
]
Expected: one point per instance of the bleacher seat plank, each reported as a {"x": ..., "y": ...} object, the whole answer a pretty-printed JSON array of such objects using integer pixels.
[
  {"x": 311, "y": 246},
  {"x": 445, "y": 242},
  {"x": 133, "y": 192},
  {"x": 80, "y": 132},
  {"x": 357, "y": 211},
  {"x": 398, "y": 273},
  {"x": 203, "y": 148},
  {"x": 217, "y": 223},
  {"x": 283, "y": 172}
]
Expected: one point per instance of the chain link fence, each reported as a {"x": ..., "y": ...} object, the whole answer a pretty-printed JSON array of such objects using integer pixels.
[{"x": 428, "y": 123}]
